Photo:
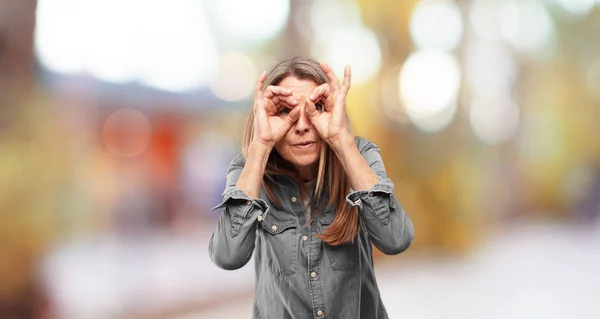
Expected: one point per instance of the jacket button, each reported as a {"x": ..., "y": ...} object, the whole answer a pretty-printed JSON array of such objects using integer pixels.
[
  {"x": 259, "y": 218},
  {"x": 313, "y": 274},
  {"x": 304, "y": 237},
  {"x": 249, "y": 202},
  {"x": 274, "y": 227},
  {"x": 294, "y": 199},
  {"x": 319, "y": 313}
]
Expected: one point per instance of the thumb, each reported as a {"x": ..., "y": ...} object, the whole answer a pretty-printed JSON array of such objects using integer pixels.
[
  {"x": 310, "y": 109},
  {"x": 293, "y": 115}
]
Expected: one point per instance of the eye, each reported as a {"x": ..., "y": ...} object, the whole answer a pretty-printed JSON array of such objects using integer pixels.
[
  {"x": 320, "y": 106},
  {"x": 283, "y": 111}
]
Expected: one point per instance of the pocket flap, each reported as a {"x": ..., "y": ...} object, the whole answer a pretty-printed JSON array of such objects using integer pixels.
[{"x": 276, "y": 226}]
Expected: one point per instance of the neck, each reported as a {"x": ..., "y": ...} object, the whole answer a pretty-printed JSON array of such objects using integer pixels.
[{"x": 308, "y": 173}]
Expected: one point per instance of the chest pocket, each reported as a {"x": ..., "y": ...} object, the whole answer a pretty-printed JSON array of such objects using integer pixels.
[
  {"x": 280, "y": 244},
  {"x": 341, "y": 257}
]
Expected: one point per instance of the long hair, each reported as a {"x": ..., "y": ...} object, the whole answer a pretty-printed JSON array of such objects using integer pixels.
[{"x": 345, "y": 225}]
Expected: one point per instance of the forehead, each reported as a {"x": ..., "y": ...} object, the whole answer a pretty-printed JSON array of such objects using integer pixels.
[{"x": 297, "y": 85}]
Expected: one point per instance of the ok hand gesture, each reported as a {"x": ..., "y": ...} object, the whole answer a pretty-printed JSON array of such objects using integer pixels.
[
  {"x": 332, "y": 121},
  {"x": 275, "y": 112}
]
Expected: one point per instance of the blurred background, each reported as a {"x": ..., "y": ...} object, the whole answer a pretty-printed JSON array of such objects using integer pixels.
[{"x": 118, "y": 120}]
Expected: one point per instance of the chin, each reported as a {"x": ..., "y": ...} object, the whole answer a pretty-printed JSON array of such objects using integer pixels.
[
  {"x": 305, "y": 161},
  {"x": 301, "y": 160}
]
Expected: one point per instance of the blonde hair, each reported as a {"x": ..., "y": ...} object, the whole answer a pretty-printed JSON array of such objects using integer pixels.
[{"x": 331, "y": 173}]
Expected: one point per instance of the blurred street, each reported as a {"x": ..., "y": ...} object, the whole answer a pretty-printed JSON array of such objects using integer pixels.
[{"x": 525, "y": 269}]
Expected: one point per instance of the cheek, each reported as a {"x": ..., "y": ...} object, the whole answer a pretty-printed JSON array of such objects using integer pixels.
[
  {"x": 282, "y": 145},
  {"x": 280, "y": 148}
]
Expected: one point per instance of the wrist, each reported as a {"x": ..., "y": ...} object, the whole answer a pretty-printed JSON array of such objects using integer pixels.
[
  {"x": 341, "y": 141},
  {"x": 260, "y": 149}
]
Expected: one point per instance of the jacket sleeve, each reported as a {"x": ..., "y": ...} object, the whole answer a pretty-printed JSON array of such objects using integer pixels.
[
  {"x": 389, "y": 227},
  {"x": 232, "y": 243}
]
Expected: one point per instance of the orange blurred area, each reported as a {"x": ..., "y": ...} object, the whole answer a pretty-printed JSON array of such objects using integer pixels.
[{"x": 118, "y": 120}]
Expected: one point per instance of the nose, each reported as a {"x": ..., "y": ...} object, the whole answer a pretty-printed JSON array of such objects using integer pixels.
[{"x": 303, "y": 123}]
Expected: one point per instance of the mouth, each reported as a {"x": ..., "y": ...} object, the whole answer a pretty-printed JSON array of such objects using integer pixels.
[{"x": 307, "y": 144}]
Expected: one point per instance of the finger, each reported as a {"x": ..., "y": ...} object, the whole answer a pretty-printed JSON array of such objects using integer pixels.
[
  {"x": 346, "y": 82},
  {"x": 293, "y": 116},
  {"x": 274, "y": 99},
  {"x": 320, "y": 92},
  {"x": 333, "y": 80},
  {"x": 286, "y": 100},
  {"x": 273, "y": 90},
  {"x": 339, "y": 109},
  {"x": 328, "y": 104},
  {"x": 270, "y": 107},
  {"x": 258, "y": 93},
  {"x": 310, "y": 109},
  {"x": 289, "y": 101}
]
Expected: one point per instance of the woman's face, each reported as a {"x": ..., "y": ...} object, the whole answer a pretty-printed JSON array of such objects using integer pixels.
[{"x": 301, "y": 144}]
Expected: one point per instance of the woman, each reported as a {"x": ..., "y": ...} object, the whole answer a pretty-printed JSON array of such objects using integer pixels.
[{"x": 308, "y": 199}]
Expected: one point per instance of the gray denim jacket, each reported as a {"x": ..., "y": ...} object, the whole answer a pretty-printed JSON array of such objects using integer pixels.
[{"x": 299, "y": 276}]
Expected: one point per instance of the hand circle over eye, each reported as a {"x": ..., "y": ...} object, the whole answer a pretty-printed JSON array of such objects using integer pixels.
[
  {"x": 277, "y": 97},
  {"x": 332, "y": 120},
  {"x": 274, "y": 112}
]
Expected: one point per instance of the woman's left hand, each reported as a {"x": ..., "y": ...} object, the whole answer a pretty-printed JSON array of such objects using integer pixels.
[{"x": 331, "y": 121}]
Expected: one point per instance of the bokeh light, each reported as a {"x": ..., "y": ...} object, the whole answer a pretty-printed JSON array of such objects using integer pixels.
[
  {"x": 577, "y": 7},
  {"x": 236, "y": 78},
  {"x": 178, "y": 54},
  {"x": 355, "y": 45},
  {"x": 126, "y": 132},
  {"x": 494, "y": 120},
  {"x": 527, "y": 25},
  {"x": 56, "y": 38},
  {"x": 436, "y": 24},
  {"x": 340, "y": 38},
  {"x": 249, "y": 22},
  {"x": 391, "y": 106},
  {"x": 593, "y": 79},
  {"x": 423, "y": 73},
  {"x": 484, "y": 19},
  {"x": 489, "y": 68},
  {"x": 328, "y": 15}
]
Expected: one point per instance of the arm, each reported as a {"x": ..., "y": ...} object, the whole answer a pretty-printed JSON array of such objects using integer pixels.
[
  {"x": 389, "y": 227},
  {"x": 232, "y": 243}
]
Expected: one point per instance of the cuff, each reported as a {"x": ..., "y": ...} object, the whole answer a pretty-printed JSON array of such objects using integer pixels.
[
  {"x": 384, "y": 187},
  {"x": 236, "y": 196},
  {"x": 239, "y": 205},
  {"x": 379, "y": 198}
]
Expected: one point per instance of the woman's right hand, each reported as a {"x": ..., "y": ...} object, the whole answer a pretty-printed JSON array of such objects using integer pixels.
[{"x": 275, "y": 112}]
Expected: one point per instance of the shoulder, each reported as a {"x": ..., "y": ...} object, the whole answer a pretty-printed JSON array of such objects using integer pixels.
[{"x": 363, "y": 144}]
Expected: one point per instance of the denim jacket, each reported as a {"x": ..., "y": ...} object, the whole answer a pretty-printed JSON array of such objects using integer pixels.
[{"x": 299, "y": 276}]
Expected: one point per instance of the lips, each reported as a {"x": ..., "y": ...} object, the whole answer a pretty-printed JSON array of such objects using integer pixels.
[{"x": 304, "y": 143}]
